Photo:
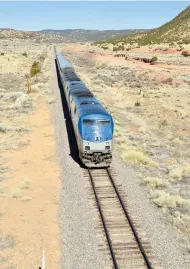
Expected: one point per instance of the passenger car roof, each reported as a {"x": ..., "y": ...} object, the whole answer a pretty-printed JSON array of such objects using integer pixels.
[
  {"x": 71, "y": 76},
  {"x": 62, "y": 61},
  {"x": 89, "y": 105}
]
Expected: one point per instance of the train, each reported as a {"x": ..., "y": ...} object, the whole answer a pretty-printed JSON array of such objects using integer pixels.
[{"x": 92, "y": 124}]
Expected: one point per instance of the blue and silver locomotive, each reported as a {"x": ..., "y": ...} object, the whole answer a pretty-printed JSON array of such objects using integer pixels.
[{"x": 93, "y": 125}]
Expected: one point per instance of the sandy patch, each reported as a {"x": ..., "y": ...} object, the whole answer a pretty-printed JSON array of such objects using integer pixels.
[
  {"x": 29, "y": 203},
  {"x": 162, "y": 70}
]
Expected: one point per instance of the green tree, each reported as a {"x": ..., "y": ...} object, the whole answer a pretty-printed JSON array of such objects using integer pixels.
[{"x": 35, "y": 69}]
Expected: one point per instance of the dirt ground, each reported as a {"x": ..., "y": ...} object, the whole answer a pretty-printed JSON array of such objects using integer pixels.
[
  {"x": 30, "y": 175},
  {"x": 29, "y": 207}
]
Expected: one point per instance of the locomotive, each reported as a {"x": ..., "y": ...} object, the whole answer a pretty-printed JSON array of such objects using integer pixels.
[{"x": 93, "y": 125}]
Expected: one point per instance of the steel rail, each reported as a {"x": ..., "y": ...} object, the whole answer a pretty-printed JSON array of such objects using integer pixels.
[
  {"x": 141, "y": 248},
  {"x": 104, "y": 223}
]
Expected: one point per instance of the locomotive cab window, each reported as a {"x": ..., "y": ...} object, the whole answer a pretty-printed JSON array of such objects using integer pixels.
[
  {"x": 100, "y": 122},
  {"x": 89, "y": 122},
  {"x": 88, "y": 103},
  {"x": 105, "y": 122}
]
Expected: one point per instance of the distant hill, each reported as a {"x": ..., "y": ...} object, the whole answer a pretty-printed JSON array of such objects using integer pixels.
[
  {"x": 67, "y": 35},
  {"x": 7, "y": 33},
  {"x": 82, "y": 35},
  {"x": 177, "y": 30}
]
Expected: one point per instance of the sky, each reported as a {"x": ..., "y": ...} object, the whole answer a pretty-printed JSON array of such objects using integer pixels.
[{"x": 87, "y": 15}]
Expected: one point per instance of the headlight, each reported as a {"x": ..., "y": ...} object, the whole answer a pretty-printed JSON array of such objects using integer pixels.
[
  {"x": 87, "y": 147},
  {"x": 107, "y": 143}
]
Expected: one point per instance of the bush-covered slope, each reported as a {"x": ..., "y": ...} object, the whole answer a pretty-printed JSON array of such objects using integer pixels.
[{"x": 177, "y": 30}]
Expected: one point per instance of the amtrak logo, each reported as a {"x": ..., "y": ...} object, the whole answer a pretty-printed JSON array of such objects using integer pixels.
[{"x": 96, "y": 133}]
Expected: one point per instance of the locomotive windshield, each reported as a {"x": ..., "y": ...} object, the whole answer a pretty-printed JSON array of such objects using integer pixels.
[
  {"x": 98, "y": 130},
  {"x": 99, "y": 122}
]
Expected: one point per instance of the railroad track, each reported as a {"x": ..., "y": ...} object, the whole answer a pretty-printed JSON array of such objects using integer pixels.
[{"x": 128, "y": 248}]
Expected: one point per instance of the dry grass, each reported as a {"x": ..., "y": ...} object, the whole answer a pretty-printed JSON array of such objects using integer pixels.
[
  {"x": 26, "y": 198},
  {"x": 176, "y": 173},
  {"x": 182, "y": 221},
  {"x": 186, "y": 170},
  {"x": 17, "y": 193},
  {"x": 136, "y": 157},
  {"x": 180, "y": 172},
  {"x": 164, "y": 199},
  {"x": 4, "y": 128},
  {"x": 121, "y": 141},
  {"x": 155, "y": 182},
  {"x": 117, "y": 130},
  {"x": 25, "y": 184}
]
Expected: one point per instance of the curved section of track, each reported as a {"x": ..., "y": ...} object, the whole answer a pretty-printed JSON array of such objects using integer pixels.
[{"x": 126, "y": 247}]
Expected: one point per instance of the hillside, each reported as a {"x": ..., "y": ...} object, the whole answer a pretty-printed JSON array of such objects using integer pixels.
[
  {"x": 82, "y": 35},
  {"x": 7, "y": 33},
  {"x": 67, "y": 35},
  {"x": 177, "y": 30}
]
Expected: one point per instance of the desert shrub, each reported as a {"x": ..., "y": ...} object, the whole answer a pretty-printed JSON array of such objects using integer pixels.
[
  {"x": 181, "y": 172},
  {"x": 35, "y": 69},
  {"x": 105, "y": 47},
  {"x": 19, "y": 99},
  {"x": 176, "y": 173},
  {"x": 26, "y": 198},
  {"x": 25, "y": 184},
  {"x": 155, "y": 182},
  {"x": 186, "y": 41},
  {"x": 25, "y": 54},
  {"x": 22, "y": 102},
  {"x": 121, "y": 47},
  {"x": 185, "y": 53},
  {"x": 134, "y": 156},
  {"x": 11, "y": 96},
  {"x": 163, "y": 123},
  {"x": 42, "y": 57},
  {"x": 17, "y": 193},
  {"x": 4, "y": 128},
  {"x": 137, "y": 103},
  {"x": 168, "y": 80},
  {"x": 154, "y": 59},
  {"x": 2, "y": 53},
  {"x": 164, "y": 199}
]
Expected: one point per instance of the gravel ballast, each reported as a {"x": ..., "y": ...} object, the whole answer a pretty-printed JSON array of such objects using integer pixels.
[{"x": 165, "y": 240}]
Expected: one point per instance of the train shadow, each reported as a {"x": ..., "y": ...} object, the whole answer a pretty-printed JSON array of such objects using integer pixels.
[{"x": 74, "y": 153}]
